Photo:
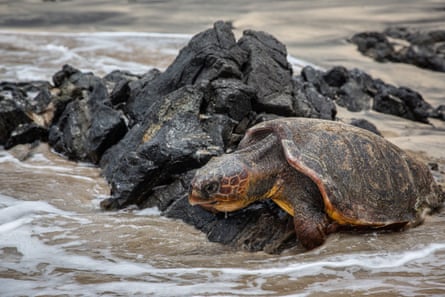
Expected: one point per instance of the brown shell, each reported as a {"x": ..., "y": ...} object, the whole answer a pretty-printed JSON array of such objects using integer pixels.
[{"x": 363, "y": 178}]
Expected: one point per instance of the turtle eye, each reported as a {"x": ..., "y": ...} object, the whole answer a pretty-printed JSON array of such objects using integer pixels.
[{"x": 211, "y": 188}]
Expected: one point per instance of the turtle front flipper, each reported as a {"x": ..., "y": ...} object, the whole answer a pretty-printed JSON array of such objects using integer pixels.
[
  {"x": 311, "y": 226},
  {"x": 301, "y": 198}
]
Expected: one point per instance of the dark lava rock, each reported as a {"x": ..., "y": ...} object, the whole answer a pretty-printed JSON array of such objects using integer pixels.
[
  {"x": 209, "y": 55},
  {"x": 119, "y": 85},
  {"x": 231, "y": 97},
  {"x": 375, "y": 45},
  {"x": 27, "y": 133},
  {"x": 365, "y": 124},
  {"x": 424, "y": 49},
  {"x": 86, "y": 124},
  {"x": 11, "y": 116},
  {"x": 357, "y": 91},
  {"x": 310, "y": 103},
  {"x": 24, "y": 111},
  {"x": 438, "y": 112},
  {"x": 402, "y": 102},
  {"x": 268, "y": 72},
  {"x": 170, "y": 141}
]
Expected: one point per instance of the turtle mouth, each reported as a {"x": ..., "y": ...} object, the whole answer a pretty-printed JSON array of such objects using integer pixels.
[
  {"x": 209, "y": 205},
  {"x": 216, "y": 204},
  {"x": 196, "y": 199},
  {"x": 194, "y": 202}
]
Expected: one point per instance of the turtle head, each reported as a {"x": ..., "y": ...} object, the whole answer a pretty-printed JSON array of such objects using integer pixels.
[{"x": 221, "y": 185}]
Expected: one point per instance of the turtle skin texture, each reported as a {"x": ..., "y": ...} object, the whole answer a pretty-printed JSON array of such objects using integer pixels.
[{"x": 327, "y": 175}]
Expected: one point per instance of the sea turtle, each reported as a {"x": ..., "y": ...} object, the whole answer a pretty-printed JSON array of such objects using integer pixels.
[{"x": 325, "y": 174}]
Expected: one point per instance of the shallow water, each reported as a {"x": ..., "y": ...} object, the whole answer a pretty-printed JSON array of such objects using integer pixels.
[{"x": 55, "y": 241}]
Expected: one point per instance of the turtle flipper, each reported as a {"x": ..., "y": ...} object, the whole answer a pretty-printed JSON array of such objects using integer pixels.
[
  {"x": 311, "y": 227},
  {"x": 302, "y": 196}
]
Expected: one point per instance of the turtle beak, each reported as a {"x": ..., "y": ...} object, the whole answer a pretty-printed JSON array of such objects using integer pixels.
[
  {"x": 197, "y": 198},
  {"x": 194, "y": 197}
]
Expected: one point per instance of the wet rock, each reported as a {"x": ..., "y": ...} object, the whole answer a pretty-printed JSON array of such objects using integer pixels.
[
  {"x": 11, "y": 116},
  {"x": 365, "y": 124},
  {"x": 220, "y": 129},
  {"x": 85, "y": 126},
  {"x": 375, "y": 45},
  {"x": 268, "y": 72},
  {"x": 315, "y": 78},
  {"x": 117, "y": 76},
  {"x": 424, "y": 49},
  {"x": 357, "y": 91},
  {"x": 313, "y": 96},
  {"x": 169, "y": 133},
  {"x": 353, "y": 98},
  {"x": 231, "y": 97},
  {"x": 310, "y": 103},
  {"x": 348, "y": 88},
  {"x": 438, "y": 113},
  {"x": 209, "y": 55},
  {"x": 130, "y": 94},
  {"x": 119, "y": 86},
  {"x": 335, "y": 77},
  {"x": 402, "y": 102},
  {"x": 170, "y": 141},
  {"x": 23, "y": 110},
  {"x": 26, "y": 133}
]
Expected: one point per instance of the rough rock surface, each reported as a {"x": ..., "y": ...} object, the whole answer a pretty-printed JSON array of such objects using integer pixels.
[
  {"x": 150, "y": 132},
  {"x": 23, "y": 111},
  {"x": 424, "y": 49},
  {"x": 88, "y": 125},
  {"x": 356, "y": 90}
]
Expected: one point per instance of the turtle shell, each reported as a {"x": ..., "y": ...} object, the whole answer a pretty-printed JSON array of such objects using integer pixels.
[{"x": 364, "y": 179}]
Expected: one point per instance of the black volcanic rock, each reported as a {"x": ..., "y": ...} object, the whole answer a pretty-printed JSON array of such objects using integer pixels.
[
  {"x": 268, "y": 72},
  {"x": 424, "y": 49},
  {"x": 209, "y": 55},
  {"x": 402, "y": 102},
  {"x": 170, "y": 141},
  {"x": 24, "y": 111},
  {"x": 357, "y": 91},
  {"x": 26, "y": 133},
  {"x": 365, "y": 124},
  {"x": 438, "y": 112},
  {"x": 86, "y": 124},
  {"x": 310, "y": 103}
]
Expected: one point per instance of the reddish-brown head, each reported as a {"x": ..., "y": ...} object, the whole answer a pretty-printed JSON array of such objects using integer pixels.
[{"x": 221, "y": 185}]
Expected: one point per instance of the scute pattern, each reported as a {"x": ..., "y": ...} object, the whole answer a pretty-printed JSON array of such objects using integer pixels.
[{"x": 364, "y": 179}]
